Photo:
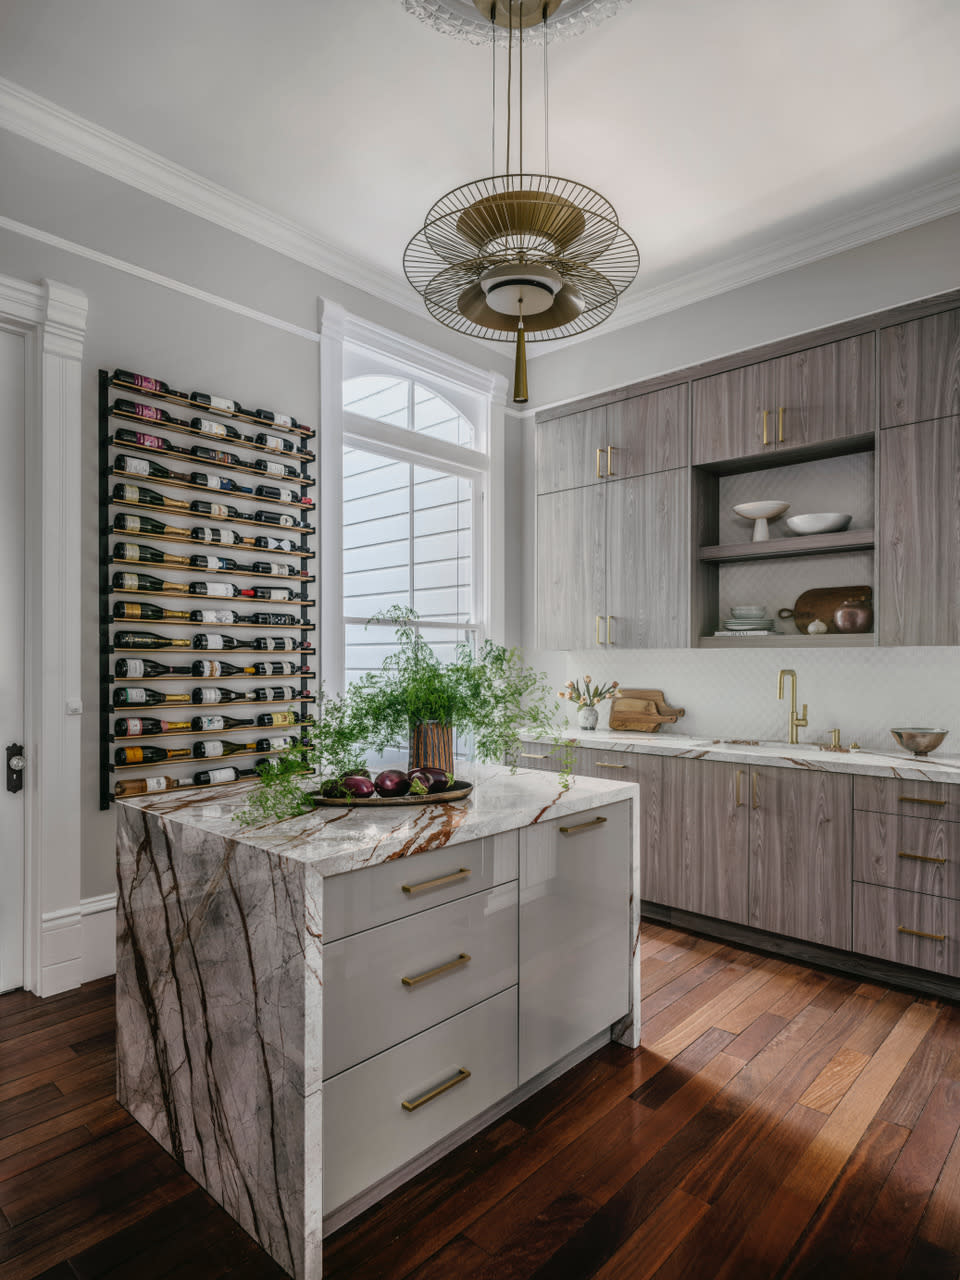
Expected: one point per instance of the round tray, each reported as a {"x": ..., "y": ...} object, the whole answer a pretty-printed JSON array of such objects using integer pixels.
[{"x": 459, "y": 791}]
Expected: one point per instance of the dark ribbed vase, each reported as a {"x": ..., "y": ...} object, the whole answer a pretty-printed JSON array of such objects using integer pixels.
[{"x": 431, "y": 746}]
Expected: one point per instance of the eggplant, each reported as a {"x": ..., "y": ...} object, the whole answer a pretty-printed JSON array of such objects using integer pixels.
[
  {"x": 392, "y": 782},
  {"x": 359, "y": 788},
  {"x": 440, "y": 779},
  {"x": 420, "y": 782}
]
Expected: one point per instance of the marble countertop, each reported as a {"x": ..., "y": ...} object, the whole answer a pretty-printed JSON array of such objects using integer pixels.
[
  {"x": 892, "y": 764},
  {"x": 335, "y": 840}
]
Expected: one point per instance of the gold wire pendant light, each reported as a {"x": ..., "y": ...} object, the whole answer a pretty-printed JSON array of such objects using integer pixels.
[{"x": 521, "y": 256}]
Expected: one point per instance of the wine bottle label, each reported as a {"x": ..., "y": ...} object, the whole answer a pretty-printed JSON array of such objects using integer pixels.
[
  {"x": 223, "y": 775},
  {"x": 286, "y": 520},
  {"x": 137, "y": 466},
  {"x": 209, "y": 695},
  {"x": 146, "y": 384},
  {"x": 132, "y": 524},
  {"x": 215, "y": 641},
  {"x": 136, "y": 695},
  {"x": 277, "y": 594},
  {"x": 148, "y": 411},
  {"x": 275, "y": 468},
  {"x": 273, "y": 442},
  {"x": 135, "y": 668},
  {"x": 213, "y": 748},
  {"x": 133, "y": 755},
  {"x": 150, "y": 442},
  {"x": 283, "y": 693},
  {"x": 215, "y": 615},
  {"x": 156, "y": 784},
  {"x": 218, "y": 402},
  {"x": 282, "y": 420},
  {"x": 218, "y": 589},
  {"x": 212, "y": 428},
  {"x": 128, "y": 551},
  {"x": 130, "y": 581},
  {"x": 207, "y": 562},
  {"x": 219, "y": 510},
  {"x": 129, "y": 493},
  {"x": 206, "y": 668},
  {"x": 134, "y": 728},
  {"x": 211, "y": 722}
]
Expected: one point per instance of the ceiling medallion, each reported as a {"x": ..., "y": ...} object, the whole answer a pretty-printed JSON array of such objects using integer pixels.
[
  {"x": 521, "y": 255},
  {"x": 461, "y": 18}
]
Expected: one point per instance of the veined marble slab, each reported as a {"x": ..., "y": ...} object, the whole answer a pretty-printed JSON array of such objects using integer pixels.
[
  {"x": 220, "y": 975},
  {"x": 893, "y": 764}
]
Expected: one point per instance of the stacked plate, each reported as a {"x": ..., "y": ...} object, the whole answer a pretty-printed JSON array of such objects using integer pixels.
[{"x": 749, "y": 619}]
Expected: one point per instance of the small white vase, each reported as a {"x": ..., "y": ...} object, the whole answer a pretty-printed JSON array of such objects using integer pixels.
[{"x": 587, "y": 717}]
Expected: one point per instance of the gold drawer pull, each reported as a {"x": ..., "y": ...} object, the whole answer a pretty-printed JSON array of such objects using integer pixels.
[
  {"x": 583, "y": 826},
  {"x": 438, "y": 883},
  {"x": 917, "y": 933},
  {"x": 415, "y": 981},
  {"x": 610, "y": 470},
  {"x": 739, "y": 780},
  {"x": 604, "y": 764},
  {"x": 919, "y": 857},
  {"x": 599, "y": 621},
  {"x": 921, "y": 800},
  {"x": 534, "y": 755},
  {"x": 599, "y": 454},
  {"x": 462, "y": 1074},
  {"x": 766, "y": 415},
  {"x": 780, "y": 413},
  {"x": 756, "y": 791}
]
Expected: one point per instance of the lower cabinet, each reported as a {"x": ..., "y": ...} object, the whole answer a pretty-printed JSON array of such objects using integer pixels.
[
  {"x": 917, "y": 929},
  {"x": 701, "y": 863}
]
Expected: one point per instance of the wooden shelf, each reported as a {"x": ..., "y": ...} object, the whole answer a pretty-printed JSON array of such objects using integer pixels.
[
  {"x": 263, "y": 525},
  {"x": 209, "y": 548},
  {"x": 174, "y": 428},
  {"x": 810, "y": 544},
  {"x": 862, "y": 640},
  {"x": 198, "y": 655},
  {"x": 265, "y": 477},
  {"x": 224, "y": 495},
  {"x": 151, "y": 566},
  {"x": 208, "y": 411},
  {"x": 185, "y": 622},
  {"x": 266, "y": 730},
  {"x": 293, "y": 675}
]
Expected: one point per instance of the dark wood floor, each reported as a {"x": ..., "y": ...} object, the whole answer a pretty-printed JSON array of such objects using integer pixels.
[{"x": 779, "y": 1122}]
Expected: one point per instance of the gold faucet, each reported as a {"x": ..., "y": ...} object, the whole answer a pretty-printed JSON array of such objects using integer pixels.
[{"x": 796, "y": 722}]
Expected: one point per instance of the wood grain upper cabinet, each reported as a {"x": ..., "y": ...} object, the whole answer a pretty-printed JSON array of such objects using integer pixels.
[
  {"x": 701, "y": 863},
  {"x": 800, "y": 854},
  {"x": 647, "y": 433},
  {"x": 918, "y": 534},
  {"x": 811, "y": 397},
  {"x": 920, "y": 370},
  {"x": 571, "y": 451},
  {"x": 647, "y": 561},
  {"x": 571, "y": 574}
]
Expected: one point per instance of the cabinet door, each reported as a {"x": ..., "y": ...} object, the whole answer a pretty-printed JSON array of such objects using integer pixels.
[
  {"x": 567, "y": 450},
  {"x": 648, "y": 561},
  {"x": 575, "y": 943},
  {"x": 918, "y": 534},
  {"x": 703, "y": 856},
  {"x": 648, "y": 433},
  {"x": 800, "y": 854},
  {"x": 728, "y": 413},
  {"x": 570, "y": 567},
  {"x": 920, "y": 370},
  {"x": 825, "y": 393}
]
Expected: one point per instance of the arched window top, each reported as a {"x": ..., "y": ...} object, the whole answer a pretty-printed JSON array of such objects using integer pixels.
[{"x": 407, "y": 403}]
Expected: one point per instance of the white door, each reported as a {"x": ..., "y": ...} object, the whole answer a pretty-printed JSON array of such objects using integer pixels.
[{"x": 12, "y": 380}]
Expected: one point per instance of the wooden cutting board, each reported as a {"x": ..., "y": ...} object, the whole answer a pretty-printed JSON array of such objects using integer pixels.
[
  {"x": 822, "y": 603},
  {"x": 642, "y": 710}
]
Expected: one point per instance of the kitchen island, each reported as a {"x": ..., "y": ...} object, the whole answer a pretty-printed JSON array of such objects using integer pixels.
[{"x": 309, "y": 1011}]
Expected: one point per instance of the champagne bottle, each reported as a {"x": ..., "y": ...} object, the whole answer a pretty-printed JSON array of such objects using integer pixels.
[
  {"x": 267, "y": 593},
  {"x": 276, "y": 517},
  {"x": 145, "y": 467},
  {"x": 216, "y": 402},
  {"x": 277, "y": 719},
  {"x": 273, "y": 619},
  {"x": 147, "y": 555},
  {"x": 226, "y": 589},
  {"x": 276, "y": 468},
  {"x": 138, "y": 728},
  {"x": 226, "y": 537},
  {"x": 213, "y": 562},
  {"x": 211, "y": 748},
  {"x": 274, "y": 544},
  {"x": 275, "y": 443},
  {"x": 147, "y": 497},
  {"x": 204, "y": 724},
  {"x": 135, "y": 697},
  {"x": 275, "y": 644},
  {"x": 229, "y": 773},
  {"x": 279, "y": 669},
  {"x": 275, "y": 568},
  {"x": 210, "y": 428},
  {"x": 143, "y": 582},
  {"x": 155, "y": 385},
  {"x": 219, "y": 510},
  {"x": 145, "y": 440},
  {"x": 216, "y": 482},
  {"x": 149, "y": 755},
  {"x": 277, "y": 494},
  {"x": 273, "y": 744},
  {"x": 147, "y": 612},
  {"x": 213, "y": 640},
  {"x": 204, "y": 669},
  {"x": 145, "y": 668},
  {"x": 207, "y": 696},
  {"x": 144, "y": 786},
  {"x": 144, "y": 524},
  {"x": 214, "y": 617},
  {"x": 216, "y": 455},
  {"x": 149, "y": 412}
]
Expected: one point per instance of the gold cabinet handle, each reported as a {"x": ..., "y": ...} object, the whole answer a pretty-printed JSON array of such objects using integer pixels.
[
  {"x": 415, "y": 981},
  {"x": 766, "y": 415},
  {"x": 610, "y": 470},
  {"x": 605, "y": 764},
  {"x": 756, "y": 792},
  {"x": 780, "y": 413},
  {"x": 609, "y": 620},
  {"x": 583, "y": 826},
  {"x": 599, "y": 621},
  {"x": 462, "y": 1074},
  {"x": 920, "y": 857},
  {"x": 438, "y": 883},
  {"x": 921, "y": 800},
  {"x": 739, "y": 780},
  {"x": 599, "y": 456},
  {"x": 918, "y": 933}
]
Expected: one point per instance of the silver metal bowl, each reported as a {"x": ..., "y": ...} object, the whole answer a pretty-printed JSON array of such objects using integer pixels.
[{"x": 920, "y": 741}]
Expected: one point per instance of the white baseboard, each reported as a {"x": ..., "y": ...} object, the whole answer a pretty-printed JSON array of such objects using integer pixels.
[{"x": 77, "y": 944}]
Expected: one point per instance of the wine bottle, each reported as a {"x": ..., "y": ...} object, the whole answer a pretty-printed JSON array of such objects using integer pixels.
[
  {"x": 148, "y": 612},
  {"x": 207, "y": 696},
  {"x": 275, "y": 643},
  {"x": 134, "y": 697},
  {"x": 138, "y": 728},
  {"x": 150, "y": 755},
  {"x": 216, "y": 402},
  {"x": 273, "y": 619},
  {"x": 275, "y": 568},
  {"x": 214, "y": 617},
  {"x": 211, "y": 748},
  {"x": 226, "y": 589},
  {"x": 144, "y": 384},
  {"x": 146, "y": 441},
  {"x": 274, "y": 544},
  {"x": 147, "y": 640},
  {"x": 147, "y": 497},
  {"x": 143, "y": 786},
  {"x": 215, "y": 482},
  {"x": 229, "y": 773},
  {"x": 216, "y": 455},
  {"x": 275, "y": 443},
  {"x": 213, "y": 640},
  {"x": 145, "y": 467},
  {"x": 279, "y": 669},
  {"x": 276, "y": 517},
  {"x": 276, "y": 719},
  {"x": 213, "y": 562},
  {"x": 149, "y": 412},
  {"x": 277, "y": 494},
  {"x": 273, "y": 744},
  {"x": 144, "y": 524},
  {"x": 145, "y": 668},
  {"x": 205, "y": 668},
  {"x": 279, "y": 693},
  {"x": 276, "y": 468},
  {"x": 210, "y": 428},
  {"x": 204, "y": 724},
  {"x": 267, "y": 593},
  {"x": 147, "y": 555},
  {"x": 226, "y": 537},
  {"x": 143, "y": 582}
]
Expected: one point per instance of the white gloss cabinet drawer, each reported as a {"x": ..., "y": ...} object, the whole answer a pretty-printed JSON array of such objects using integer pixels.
[
  {"x": 410, "y": 974},
  {"x": 382, "y": 1113},
  {"x": 375, "y": 895}
]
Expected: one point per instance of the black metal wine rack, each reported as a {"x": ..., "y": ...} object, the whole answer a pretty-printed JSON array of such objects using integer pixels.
[{"x": 178, "y": 459}]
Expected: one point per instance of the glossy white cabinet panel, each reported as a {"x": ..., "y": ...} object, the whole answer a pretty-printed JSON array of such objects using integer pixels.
[
  {"x": 367, "y": 1133},
  {"x": 366, "y": 972},
  {"x": 575, "y": 944},
  {"x": 375, "y": 895}
]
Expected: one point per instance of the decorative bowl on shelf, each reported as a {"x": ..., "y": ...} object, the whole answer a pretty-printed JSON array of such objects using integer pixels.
[
  {"x": 760, "y": 513},
  {"x": 920, "y": 741},
  {"x": 819, "y": 522},
  {"x": 744, "y": 612}
]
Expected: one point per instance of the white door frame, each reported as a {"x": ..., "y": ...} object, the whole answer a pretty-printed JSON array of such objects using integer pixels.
[{"x": 52, "y": 318}]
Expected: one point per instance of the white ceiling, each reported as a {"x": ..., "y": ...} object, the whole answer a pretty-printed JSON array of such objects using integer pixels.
[{"x": 715, "y": 128}]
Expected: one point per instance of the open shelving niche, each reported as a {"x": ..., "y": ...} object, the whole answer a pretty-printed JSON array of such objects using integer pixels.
[
  {"x": 300, "y": 607},
  {"x": 730, "y": 569}
]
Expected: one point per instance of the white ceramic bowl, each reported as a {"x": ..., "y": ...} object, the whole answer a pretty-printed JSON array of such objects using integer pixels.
[
  {"x": 745, "y": 611},
  {"x": 761, "y": 510},
  {"x": 819, "y": 522}
]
